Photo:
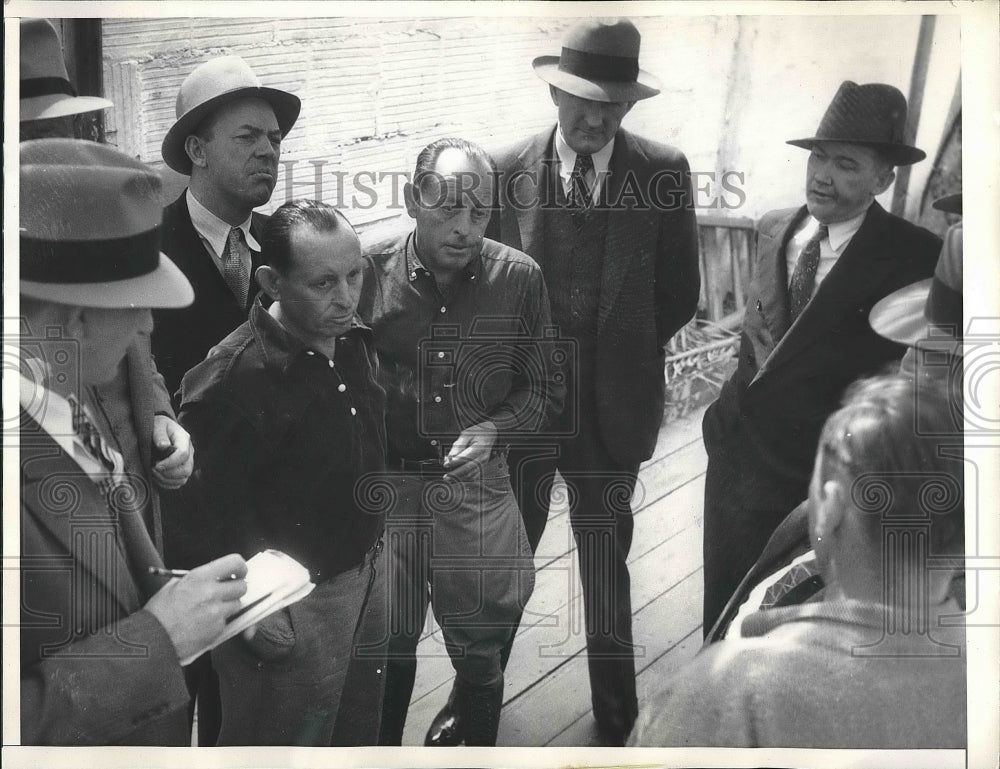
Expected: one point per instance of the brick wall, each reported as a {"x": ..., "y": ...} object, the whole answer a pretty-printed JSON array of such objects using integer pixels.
[{"x": 376, "y": 90}]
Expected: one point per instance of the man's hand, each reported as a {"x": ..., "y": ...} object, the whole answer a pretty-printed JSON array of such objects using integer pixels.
[
  {"x": 173, "y": 471},
  {"x": 193, "y": 609},
  {"x": 470, "y": 452}
]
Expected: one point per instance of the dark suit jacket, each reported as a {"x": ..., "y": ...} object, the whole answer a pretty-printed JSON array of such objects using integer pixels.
[
  {"x": 650, "y": 281},
  {"x": 95, "y": 667},
  {"x": 182, "y": 338},
  {"x": 772, "y": 409}
]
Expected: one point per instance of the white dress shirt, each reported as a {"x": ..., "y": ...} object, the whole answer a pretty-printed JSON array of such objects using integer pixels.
[
  {"x": 214, "y": 233},
  {"x": 567, "y": 161},
  {"x": 830, "y": 248}
]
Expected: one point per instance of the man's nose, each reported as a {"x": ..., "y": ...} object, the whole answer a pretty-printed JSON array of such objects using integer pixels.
[
  {"x": 462, "y": 224},
  {"x": 266, "y": 148}
]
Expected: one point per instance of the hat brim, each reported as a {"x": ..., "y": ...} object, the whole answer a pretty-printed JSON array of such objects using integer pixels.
[
  {"x": 645, "y": 86},
  {"x": 898, "y": 154},
  {"x": 60, "y": 105},
  {"x": 165, "y": 287},
  {"x": 286, "y": 108},
  {"x": 950, "y": 204},
  {"x": 900, "y": 317}
]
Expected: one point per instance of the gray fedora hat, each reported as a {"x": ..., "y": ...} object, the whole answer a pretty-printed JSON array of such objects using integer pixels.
[
  {"x": 69, "y": 255},
  {"x": 874, "y": 115},
  {"x": 45, "y": 88},
  {"x": 211, "y": 85},
  {"x": 599, "y": 61}
]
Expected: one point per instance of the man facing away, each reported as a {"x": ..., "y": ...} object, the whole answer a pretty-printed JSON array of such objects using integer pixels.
[
  {"x": 608, "y": 217},
  {"x": 818, "y": 270},
  {"x": 101, "y": 637},
  {"x": 288, "y": 417},
  {"x": 460, "y": 325},
  {"x": 880, "y": 661}
]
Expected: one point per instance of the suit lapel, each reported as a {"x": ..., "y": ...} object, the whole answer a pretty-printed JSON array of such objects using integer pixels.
[
  {"x": 770, "y": 279},
  {"x": 51, "y": 480},
  {"x": 627, "y": 235},
  {"x": 859, "y": 271},
  {"x": 532, "y": 185}
]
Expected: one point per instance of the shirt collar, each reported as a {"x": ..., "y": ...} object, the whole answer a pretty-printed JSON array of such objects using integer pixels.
[
  {"x": 278, "y": 346},
  {"x": 415, "y": 268},
  {"x": 214, "y": 229},
  {"x": 839, "y": 233},
  {"x": 567, "y": 157}
]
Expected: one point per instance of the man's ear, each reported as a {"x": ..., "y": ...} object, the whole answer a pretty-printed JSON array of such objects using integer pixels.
[
  {"x": 887, "y": 177},
  {"x": 410, "y": 196},
  {"x": 829, "y": 507},
  {"x": 554, "y": 94},
  {"x": 628, "y": 108},
  {"x": 269, "y": 279},
  {"x": 194, "y": 146},
  {"x": 71, "y": 319}
]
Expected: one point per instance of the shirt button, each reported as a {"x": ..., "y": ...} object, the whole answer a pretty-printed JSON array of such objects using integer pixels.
[
  {"x": 441, "y": 354},
  {"x": 354, "y": 411},
  {"x": 330, "y": 363},
  {"x": 444, "y": 309},
  {"x": 434, "y": 442},
  {"x": 342, "y": 388},
  {"x": 437, "y": 398},
  {"x": 413, "y": 275},
  {"x": 310, "y": 352}
]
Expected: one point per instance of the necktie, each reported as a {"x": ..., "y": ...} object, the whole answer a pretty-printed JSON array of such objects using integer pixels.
[
  {"x": 580, "y": 191},
  {"x": 110, "y": 460},
  {"x": 124, "y": 499},
  {"x": 804, "y": 276},
  {"x": 232, "y": 266}
]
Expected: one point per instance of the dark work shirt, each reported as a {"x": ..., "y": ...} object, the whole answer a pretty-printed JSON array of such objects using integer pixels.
[
  {"x": 282, "y": 434},
  {"x": 483, "y": 350}
]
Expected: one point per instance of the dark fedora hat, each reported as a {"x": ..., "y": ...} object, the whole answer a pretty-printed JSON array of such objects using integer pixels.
[
  {"x": 599, "y": 61},
  {"x": 45, "y": 88},
  {"x": 208, "y": 87},
  {"x": 873, "y": 114},
  {"x": 90, "y": 229}
]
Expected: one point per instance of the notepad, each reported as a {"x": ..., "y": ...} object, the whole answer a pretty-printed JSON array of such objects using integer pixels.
[{"x": 274, "y": 580}]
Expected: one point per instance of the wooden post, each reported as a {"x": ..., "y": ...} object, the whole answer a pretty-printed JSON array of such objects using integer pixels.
[
  {"x": 915, "y": 100},
  {"x": 84, "y": 54}
]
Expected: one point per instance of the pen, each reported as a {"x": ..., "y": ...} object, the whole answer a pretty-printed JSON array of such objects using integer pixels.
[{"x": 156, "y": 571}]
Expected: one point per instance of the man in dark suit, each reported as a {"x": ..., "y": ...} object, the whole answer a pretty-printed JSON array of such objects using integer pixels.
[
  {"x": 100, "y": 636},
  {"x": 817, "y": 272},
  {"x": 133, "y": 407},
  {"x": 227, "y": 138},
  {"x": 608, "y": 217}
]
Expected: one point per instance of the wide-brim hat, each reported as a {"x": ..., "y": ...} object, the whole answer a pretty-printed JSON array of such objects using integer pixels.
[
  {"x": 599, "y": 61},
  {"x": 208, "y": 87},
  {"x": 950, "y": 204},
  {"x": 90, "y": 229},
  {"x": 873, "y": 115},
  {"x": 928, "y": 312},
  {"x": 45, "y": 89}
]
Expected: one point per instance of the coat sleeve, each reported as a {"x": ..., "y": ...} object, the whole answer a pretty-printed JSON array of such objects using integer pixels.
[
  {"x": 677, "y": 275},
  {"x": 91, "y": 694}
]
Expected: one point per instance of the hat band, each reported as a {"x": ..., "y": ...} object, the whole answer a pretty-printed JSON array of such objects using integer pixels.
[
  {"x": 90, "y": 261},
  {"x": 599, "y": 66},
  {"x": 46, "y": 86}
]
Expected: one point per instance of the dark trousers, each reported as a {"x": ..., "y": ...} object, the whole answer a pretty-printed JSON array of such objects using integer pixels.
[
  {"x": 203, "y": 684},
  {"x": 745, "y": 501},
  {"x": 600, "y": 491}
]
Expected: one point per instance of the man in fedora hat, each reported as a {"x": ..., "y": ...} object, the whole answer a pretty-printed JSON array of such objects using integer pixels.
[
  {"x": 817, "y": 272},
  {"x": 100, "y": 636},
  {"x": 608, "y": 217},
  {"x": 227, "y": 139},
  {"x": 133, "y": 407}
]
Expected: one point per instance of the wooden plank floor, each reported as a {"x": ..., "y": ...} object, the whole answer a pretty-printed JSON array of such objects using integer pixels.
[{"x": 547, "y": 692}]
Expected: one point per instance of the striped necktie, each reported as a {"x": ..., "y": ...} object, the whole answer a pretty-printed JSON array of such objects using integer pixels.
[
  {"x": 110, "y": 460},
  {"x": 232, "y": 266},
  {"x": 580, "y": 190}
]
